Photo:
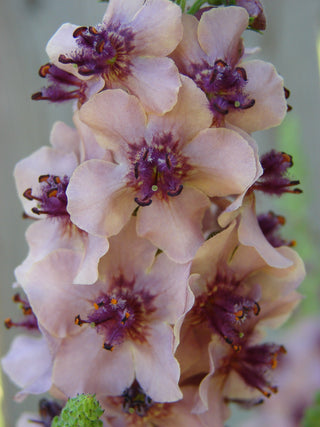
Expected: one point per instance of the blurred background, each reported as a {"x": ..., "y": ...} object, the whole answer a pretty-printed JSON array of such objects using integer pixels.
[{"x": 291, "y": 42}]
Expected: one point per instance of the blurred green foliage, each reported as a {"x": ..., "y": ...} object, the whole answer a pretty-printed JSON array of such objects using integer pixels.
[
  {"x": 312, "y": 415},
  {"x": 299, "y": 225}
]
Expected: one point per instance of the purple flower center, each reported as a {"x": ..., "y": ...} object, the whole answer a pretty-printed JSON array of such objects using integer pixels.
[
  {"x": 52, "y": 200},
  {"x": 224, "y": 86},
  {"x": 225, "y": 310},
  {"x": 120, "y": 315},
  {"x": 104, "y": 51},
  {"x": 157, "y": 169},
  {"x": 135, "y": 401},
  {"x": 140, "y": 410},
  {"x": 254, "y": 364}
]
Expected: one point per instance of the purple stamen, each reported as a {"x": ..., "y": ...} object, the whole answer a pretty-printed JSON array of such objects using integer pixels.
[
  {"x": 60, "y": 82},
  {"x": 224, "y": 86},
  {"x": 29, "y": 321},
  {"x": 158, "y": 169},
  {"x": 270, "y": 224},
  {"x": 120, "y": 314},
  {"x": 273, "y": 180},
  {"x": 53, "y": 200},
  {"x": 254, "y": 364},
  {"x": 104, "y": 51},
  {"x": 225, "y": 311}
]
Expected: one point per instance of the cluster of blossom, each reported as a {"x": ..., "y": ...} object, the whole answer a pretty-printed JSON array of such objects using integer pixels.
[{"x": 150, "y": 279}]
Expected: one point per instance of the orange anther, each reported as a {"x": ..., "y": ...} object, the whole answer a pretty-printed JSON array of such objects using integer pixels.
[
  {"x": 239, "y": 314},
  {"x": 27, "y": 310},
  {"x": 281, "y": 219},
  {"x": 8, "y": 323},
  {"x": 28, "y": 194},
  {"x": 78, "y": 320},
  {"x": 52, "y": 193},
  {"x": 274, "y": 362},
  {"x": 16, "y": 298},
  {"x": 113, "y": 301},
  {"x": 79, "y": 31},
  {"x": 95, "y": 305},
  {"x": 287, "y": 158},
  {"x": 100, "y": 46},
  {"x": 93, "y": 30},
  {"x": 44, "y": 70},
  {"x": 107, "y": 346},
  {"x": 43, "y": 178}
]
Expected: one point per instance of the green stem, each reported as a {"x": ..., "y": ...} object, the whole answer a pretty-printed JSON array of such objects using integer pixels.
[
  {"x": 196, "y": 6},
  {"x": 183, "y": 5}
]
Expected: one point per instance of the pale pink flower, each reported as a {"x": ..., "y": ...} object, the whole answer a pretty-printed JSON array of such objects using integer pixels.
[
  {"x": 128, "y": 49},
  {"x": 242, "y": 378},
  {"x": 249, "y": 95},
  {"x": 237, "y": 295},
  {"x": 42, "y": 179},
  {"x": 298, "y": 378},
  {"x": 166, "y": 166},
  {"x": 125, "y": 319}
]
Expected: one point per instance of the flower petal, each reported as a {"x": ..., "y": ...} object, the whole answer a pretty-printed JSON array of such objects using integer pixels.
[
  {"x": 65, "y": 139},
  {"x": 223, "y": 162},
  {"x": 170, "y": 286},
  {"x": 265, "y": 86},
  {"x": 122, "y": 10},
  {"x": 188, "y": 117},
  {"x": 155, "y": 81},
  {"x": 188, "y": 51},
  {"x": 106, "y": 112},
  {"x": 94, "y": 248},
  {"x": 129, "y": 254},
  {"x": 155, "y": 366},
  {"x": 220, "y": 32},
  {"x": 83, "y": 366},
  {"x": 90, "y": 149},
  {"x": 29, "y": 365},
  {"x": 157, "y": 27},
  {"x": 53, "y": 298},
  {"x": 63, "y": 42},
  {"x": 98, "y": 200},
  {"x": 175, "y": 225},
  {"x": 250, "y": 234}
]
